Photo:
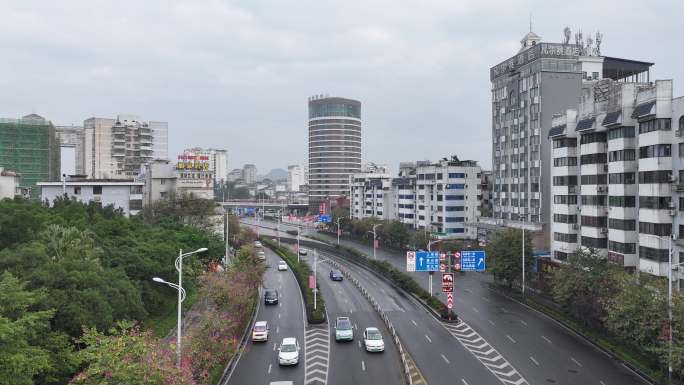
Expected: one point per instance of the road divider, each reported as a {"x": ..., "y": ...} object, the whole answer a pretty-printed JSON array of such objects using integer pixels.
[{"x": 302, "y": 272}]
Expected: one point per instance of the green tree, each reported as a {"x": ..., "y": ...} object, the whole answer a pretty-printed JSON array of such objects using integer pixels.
[
  {"x": 420, "y": 239},
  {"x": 184, "y": 209},
  {"x": 505, "y": 255},
  {"x": 394, "y": 234},
  {"x": 29, "y": 350}
]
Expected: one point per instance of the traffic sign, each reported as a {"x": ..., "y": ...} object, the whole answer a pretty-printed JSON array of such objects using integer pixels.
[
  {"x": 450, "y": 301},
  {"x": 427, "y": 261},
  {"x": 456, "y": 260},
  {"x": 324, "y": 218},
  {"x": 410, "y": 261},
  {"x": 312, "y": 282},
  {"x": 473, "y": 260},
  {"x": 447, "y": 282}
]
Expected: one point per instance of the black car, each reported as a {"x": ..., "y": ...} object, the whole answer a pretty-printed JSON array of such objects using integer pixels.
[
  {"x": 336, "y": 275},
  {"x": 271, "y": 297}
]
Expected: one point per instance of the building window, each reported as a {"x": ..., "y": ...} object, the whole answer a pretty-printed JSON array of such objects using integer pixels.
[
  {"x": 564, "y": 162},
  {"x": 655, "y": 202},
  {"x": 593, "y": 137},
  {"x": 456, "y": 175},
  {"x": 590, "y": 221},
  {"x": 567, "y": 238},
  {"x": 623, "y": 248},
  {"x": 622, "y": 201},
  {"x": 594, "y": 179},
  {"x": 570, "y": 180},
  {"x": 659, "y": 229},
  {"x": 660, "y": 176},
  {"x": 564, "y": 218},
  {"x": 622, "y": 155},
  {"x": 658, "y": 255},
  {"x": 622, "y": 224},
  {"x": 595, "y": 75},
  {"x": 622, "y": 178},
  {"x": 621, "y": 132},
  {"x": 77, "y": 190},
  {"x": 163, "y": 194},
  {"x": 594, "y": 200},
  {"x": 593, "y": 158},
  {"x": 681, "y": 123},
  {"x": 655, "y": 151},
  {"x": 596, "y": 243},
  {"x": 135, "y": 204},
  {"x": 97, "y": 190},
  {"x": 565, "y": 199},
  {"x": 162, "y": 181},
  {"x": 655, "y": 125}
]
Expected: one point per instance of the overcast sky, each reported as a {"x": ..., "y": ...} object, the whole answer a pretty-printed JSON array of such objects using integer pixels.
[{"x": 237, "y": 74}]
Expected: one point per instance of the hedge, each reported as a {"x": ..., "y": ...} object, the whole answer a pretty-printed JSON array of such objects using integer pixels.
[{"x": 302, "y": 271}]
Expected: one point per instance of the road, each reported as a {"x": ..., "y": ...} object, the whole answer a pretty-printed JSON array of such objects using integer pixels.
[
  {"x": 539, "y": 348},
  {"x": 259, "y": 362}
]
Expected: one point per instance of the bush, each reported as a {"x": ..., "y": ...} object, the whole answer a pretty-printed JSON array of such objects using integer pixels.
[{"x": 302, "y": 271}]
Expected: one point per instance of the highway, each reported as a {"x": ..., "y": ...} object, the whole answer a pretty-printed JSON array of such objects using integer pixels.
[
  {"x": 259, "y": 362},
  {"x": 540, "y": 349}
]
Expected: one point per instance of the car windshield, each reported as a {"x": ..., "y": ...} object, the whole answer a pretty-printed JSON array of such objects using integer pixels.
[
  {"x": 260, "y": 328},
  {"x": 335, "y": 272},
  {"x": 270, "y": 293},
  {"x": 343, "y": 324},
  {"x": 288, "y": 348},
  {"x": 373, "y": 335}
]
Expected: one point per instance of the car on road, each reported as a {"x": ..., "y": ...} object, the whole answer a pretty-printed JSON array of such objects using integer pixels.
[
  {"x": 302, "y": 251},
  {"x": 344, "y": 331},
  {"x": 260, "y": 331},
  {"x": 257, "y": 244},
  {"x": 271, "y": 297},
  {"x": 336, "y": 275},
  {"x": 372, "y": 340},
  {"x": 282, "y": 266},
  {"x": 261, "y": 255},
  {"x": 288, "y": 352}
]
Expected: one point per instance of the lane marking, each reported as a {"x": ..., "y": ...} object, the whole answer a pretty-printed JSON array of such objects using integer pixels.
[
  {"x": 363, "y": 366},
  {"x": 523, "y": 322},
  {"x": 475, "y": 309},
  {"x": 535, "y": 361},
  {"x": 486, "y": 299},
  {"x": 602, "y": 383},
  {"x": 464, "y": 381},
  {"x": 278, "y": 315},
  {"x": 510, "y": 338},
  {"x": 428, "y": 338},
  {"x": 576, "y": 362},
  {"x": 274, "y": 346},
  {"x": 359, "y": 344},
  {"x": 414, "y": 322},
  {"x": 503, "y": 309},
  {"x": 491, "y": 322},
  {"x": 269, "y": 368},
  {"x": 445, "y": 359},
  {"x": 546, "y": 339},
  {"x": 277, "y": 329}
]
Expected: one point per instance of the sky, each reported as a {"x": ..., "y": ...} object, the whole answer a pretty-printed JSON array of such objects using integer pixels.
[{"x": 237, "y": 74}]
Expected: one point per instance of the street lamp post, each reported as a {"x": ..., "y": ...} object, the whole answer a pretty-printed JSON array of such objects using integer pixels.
[
  {"x": 375, "y": 235},
  {"x": 338, "y": 230},
  {"x": 523, "y": 263},
  {"x": 181, "y": 296},
  {"x": 429, "y": 247},
  {"x": 280, "y": 216},
  {"x": 298, "y": 253}
]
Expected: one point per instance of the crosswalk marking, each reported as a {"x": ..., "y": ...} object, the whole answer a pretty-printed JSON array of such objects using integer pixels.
[{"x": 316, "y": 354}]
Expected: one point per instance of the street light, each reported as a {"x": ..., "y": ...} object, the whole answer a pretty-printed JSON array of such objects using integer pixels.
[
  {"x": 181, "y": 295},
  {"x": 374, "y": 237},
  {"x": 280, "y": 216},
  {"x": 429, "y": 247},
  {"x": 298, "y": 253},
  {"x": 338, "y": 230}
]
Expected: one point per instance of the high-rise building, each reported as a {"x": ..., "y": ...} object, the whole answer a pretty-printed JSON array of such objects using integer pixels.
[
  {"x": 527, "y": 90},
  {"x": 249, "y": 174},
  {"x": 217, "y": 160},
  {"x": 235, "y": 175},
  {"x": 295, "y": 177},
  {"x": 334, "y": 147},
  {"x": 160, "y": 139},
  {"x": 618, "y": 174},
  {"x": 118, "y": 148},
  {"x": 29, "y": 147},
  {"x": 71, "y": 149}
]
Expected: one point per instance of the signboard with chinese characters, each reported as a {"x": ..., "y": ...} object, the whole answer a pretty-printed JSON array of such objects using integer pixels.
[
  {"x": 427, "y": 261},
  {"x": 192, "y": 162},
  {"x": 554, "y": 50},
  {"x": 410, "y": 261},
  {"x": 473, "y": 260},
  {"x": 447, "y": 282}
]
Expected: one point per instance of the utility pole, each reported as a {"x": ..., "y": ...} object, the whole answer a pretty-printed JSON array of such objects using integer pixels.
[
  {"x": 315, "y": 289},
  {"x": 338, "y": 230},
  {"x": 523, "y": 263},
  {"x": 374, "y": 238}
]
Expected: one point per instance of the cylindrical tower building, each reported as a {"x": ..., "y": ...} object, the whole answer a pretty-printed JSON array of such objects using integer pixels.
[{"x": 334, "y": 147}]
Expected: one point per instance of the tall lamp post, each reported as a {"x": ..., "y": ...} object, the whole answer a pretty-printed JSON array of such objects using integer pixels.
[
  {"x": 280, "y": 216},
  {"x": 523, "y": 263},
  {"x": 375, "y": 236},
  {"x": 181, "y": 296},
  {"x": 298, "y": 253},
  {"x": 338, "y": 230},
  {"x": 429, "y": 247}
]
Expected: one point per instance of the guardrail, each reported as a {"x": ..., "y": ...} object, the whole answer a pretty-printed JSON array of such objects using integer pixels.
[{"x": 395, "y": 335}]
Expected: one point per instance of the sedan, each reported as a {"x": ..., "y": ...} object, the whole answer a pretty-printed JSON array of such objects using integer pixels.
[
  {"x": 372, "y": 340},
  {"x": 288, "y": 353},
  {"x": 302, "y": 251},
  {"x": 271, "y": 297},
  {"x": 336, "y": 275},
  {"x": 282, "y": 266}
]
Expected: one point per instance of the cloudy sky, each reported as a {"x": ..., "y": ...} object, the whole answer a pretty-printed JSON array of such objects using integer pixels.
[{"x": 237, "y": 74}]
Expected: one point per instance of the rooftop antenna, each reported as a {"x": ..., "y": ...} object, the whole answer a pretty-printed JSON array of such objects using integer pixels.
[{"x": 530, "y": 21}]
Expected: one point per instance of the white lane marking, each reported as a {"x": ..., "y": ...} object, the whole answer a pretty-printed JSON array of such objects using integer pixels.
[
  {"x": 602, "y": 383},
  {"x": 464, "y": 381},
  {"x": 274, "y": 346},
  {"x": 351, "y": 311},
  {"x": 445, "y": 359},
  {"x": 510, "y": 338},
  {"x": 485, "y": 299},
  {"x": 363, "y": 366},
  {"x": 359, "y": 344},
  {"x": 503, "y": 309},
  {"x": 278, "y": 315},
  {"x": 546, "y": 339},
  {"x": 428, "y": 338},
  {"x": 576, "y": 362},
  {"x": 414, "y": 322},
  {"x": 475, "y": 309},
  {"x": 491, "y": 322},
  {"x": 535, "y": 361},
  {"x": 269, "y": 368},
  {"x": 355, "y": 328},
  {"x": 277, "y": 329},
  {"x": 280, "y": 304},
  {"x": 523, "y": 322}
]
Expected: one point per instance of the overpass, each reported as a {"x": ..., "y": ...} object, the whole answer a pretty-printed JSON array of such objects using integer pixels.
[{"x": 247, "y": 206}]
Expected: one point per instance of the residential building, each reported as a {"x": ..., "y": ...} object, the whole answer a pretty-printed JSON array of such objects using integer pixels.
[
  {"x": 235, "y": 175},
  {"x": 10, "y": 185},
  {"x": 439, "y": 197},
  {"x": 160, "y": 181},
  {"x": 618, "y": 175},
  {"x": 249, "y": 174},
  {"x": 486, "y": 187},
  {"x": 71, "y": 142},
  {"x": 295, "y": 177},
  {"x": 527, "y": 90},
  {"x": 217, "y": 160},
  {"x": 29, "y": 147},
  {"x": 126, "y": 195},
  {"x": 119, "y": 148},
  {"x": 334, "y": 147},
  {"x": 160, "y": 139}
]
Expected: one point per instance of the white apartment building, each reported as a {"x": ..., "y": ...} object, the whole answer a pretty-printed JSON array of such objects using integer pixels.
[
  {"x": 217, "y": 159},
  {"x": 249, "y": 174},
  {"x": 160, "y": 139},
  {"x": 117, "y": 148},
  {"x": 10, "y": 185},
  {"x": 295, "y": 177},
  {"x": 618, "y": 175},
  {"x": 71, "y": 149},
  {"x": 160, "y": 181},
  {"x": 126, "y": 195},
  {"x": 440, "y": 197}
]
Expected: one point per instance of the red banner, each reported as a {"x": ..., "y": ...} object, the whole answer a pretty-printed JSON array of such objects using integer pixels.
[
  {"x": 376, "y": 243},
  {"x": 312, "y": 282}
]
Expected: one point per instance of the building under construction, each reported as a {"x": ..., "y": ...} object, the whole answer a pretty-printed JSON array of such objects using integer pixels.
[{"x": 30, "y": 147}]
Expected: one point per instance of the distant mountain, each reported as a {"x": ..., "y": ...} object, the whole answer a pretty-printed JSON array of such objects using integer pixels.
[{"x": 275, "y": 175}]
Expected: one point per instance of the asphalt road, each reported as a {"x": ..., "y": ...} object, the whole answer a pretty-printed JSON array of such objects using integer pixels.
[
  {"x": 349, "y": 361},
  {"x": 259, "y": 362}
]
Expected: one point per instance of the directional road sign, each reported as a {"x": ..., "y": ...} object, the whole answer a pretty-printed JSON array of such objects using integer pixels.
[
  {"x": 324, "y": 218},
  {"x": 427, "y": 261},
  {"x": 473, "y": 260}
]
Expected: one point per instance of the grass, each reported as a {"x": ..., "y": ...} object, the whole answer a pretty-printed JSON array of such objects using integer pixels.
[{"x": 163, "y": 324}]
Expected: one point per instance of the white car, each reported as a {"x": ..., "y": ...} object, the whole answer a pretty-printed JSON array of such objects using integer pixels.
[
  {"x": 302, "y": 251},
  {"x": 344, "y": 331},
  {"x": 372, "y": 340},
  {"x": 261, "y": 255},
  {"x": 260, "y": 331},
  {"x": 282, "y": 266},
  {"x": 257, "y": 244},
  {"x": 288, "y": 353}
]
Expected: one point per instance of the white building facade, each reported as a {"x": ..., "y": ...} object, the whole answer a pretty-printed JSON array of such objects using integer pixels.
[
  {"x": 126, "y": 195},
  {"x": 618, "y": 174},
  {"x": 249, "y": 174},
  {"x": 217, "y": 159},
  {"x": 71, "y": 141},
  {"x": 295, "y": 177}
]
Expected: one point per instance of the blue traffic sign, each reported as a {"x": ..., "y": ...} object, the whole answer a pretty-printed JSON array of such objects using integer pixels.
[
  {"x": 250, "y": 210},
  {"x": 427, "y": 261},
  {"x": 324, "y": 218},
  {"x": 473, "y": 260}
]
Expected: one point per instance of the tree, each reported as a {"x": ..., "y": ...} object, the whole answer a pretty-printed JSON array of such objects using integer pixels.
[
  {"x": 394, "y": 234},
  {"x": 505, "y": 260},
  {"x": 420, "y": 239},
  {"x": 184, "y": 209}
]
